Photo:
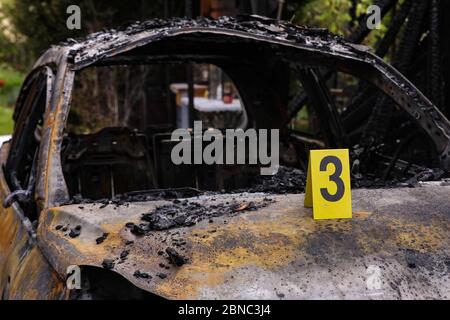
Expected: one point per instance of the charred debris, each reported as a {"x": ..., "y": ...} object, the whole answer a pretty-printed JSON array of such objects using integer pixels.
[
  {"x": 185, "y": 213},
  {"x": 287, "y": 181},
  {"x": 177, "y": 214}
]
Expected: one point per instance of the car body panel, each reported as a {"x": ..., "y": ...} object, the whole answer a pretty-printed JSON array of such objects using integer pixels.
[
  {"x": 24, "y": 271},
  {"x": 400, "y": 235}
]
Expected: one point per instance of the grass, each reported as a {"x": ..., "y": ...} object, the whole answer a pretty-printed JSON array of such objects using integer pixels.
[
  {"x": 12, "y": 77},
  {"x": 6, "y": 122}
]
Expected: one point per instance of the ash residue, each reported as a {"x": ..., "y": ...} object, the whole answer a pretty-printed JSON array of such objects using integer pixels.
[
  {"x": 79, "y": 199},
  {"x": 139, "y": 196},
  {"x": 407, "y": 181},
  {"x": 426, "y": 174},
  {"x": 187, "y": 213},
  {"x": 287, "y": 180}
]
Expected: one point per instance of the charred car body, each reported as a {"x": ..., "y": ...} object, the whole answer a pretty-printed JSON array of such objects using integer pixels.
[{"x": 106, "y": 197}]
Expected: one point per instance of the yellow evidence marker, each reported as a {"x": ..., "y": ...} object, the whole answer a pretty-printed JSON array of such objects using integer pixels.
[{"x": 328, "y": 189}]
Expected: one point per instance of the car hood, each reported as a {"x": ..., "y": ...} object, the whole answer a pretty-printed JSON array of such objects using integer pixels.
[{"x": 396, "y": 246}]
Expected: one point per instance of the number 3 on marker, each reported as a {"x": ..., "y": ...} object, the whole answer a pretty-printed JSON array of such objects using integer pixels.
[
  {"x": 328, "y": 184},
  {"x": 335, "y": 177}
]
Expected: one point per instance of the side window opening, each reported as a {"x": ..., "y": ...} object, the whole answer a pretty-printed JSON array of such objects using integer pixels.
[
  {"x": 22, "y": 159},
  {"x": 118, "y": 134}
]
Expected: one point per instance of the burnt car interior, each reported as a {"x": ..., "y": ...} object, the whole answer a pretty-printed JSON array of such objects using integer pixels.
[
  {"x": 124, "y": 108},
  {"x": 115, "y": 153}
]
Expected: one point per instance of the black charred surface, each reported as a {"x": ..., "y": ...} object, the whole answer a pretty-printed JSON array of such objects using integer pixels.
[
  {"x": 108, "y": 264},
  {"x": 141, "y": 275},
  {"x": 100, "y": 240},
  {"x": 96, "y": 45},
  {"x": 125, "y": 199},
  {"x": 124, "y": 254},
  {"x": 161, "y": 275},
  {"x": 176, "y": 258},
  {"x": 75, "y": 232},
  {"x": 135, "y": 229}
]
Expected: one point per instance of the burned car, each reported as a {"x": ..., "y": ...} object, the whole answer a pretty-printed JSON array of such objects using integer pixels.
[{"x": 87, "y": 180}]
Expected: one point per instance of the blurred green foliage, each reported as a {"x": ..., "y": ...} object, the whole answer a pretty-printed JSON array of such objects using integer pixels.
[
  {"x": 11, "y": 81},
  {"x": 33, "y": 26},
  {"x": 335, "y": 16},
  {"x": 6, "y": 122}
]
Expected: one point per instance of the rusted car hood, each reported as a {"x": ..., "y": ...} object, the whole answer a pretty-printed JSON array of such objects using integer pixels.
[{"x": 396, "y": 246}]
